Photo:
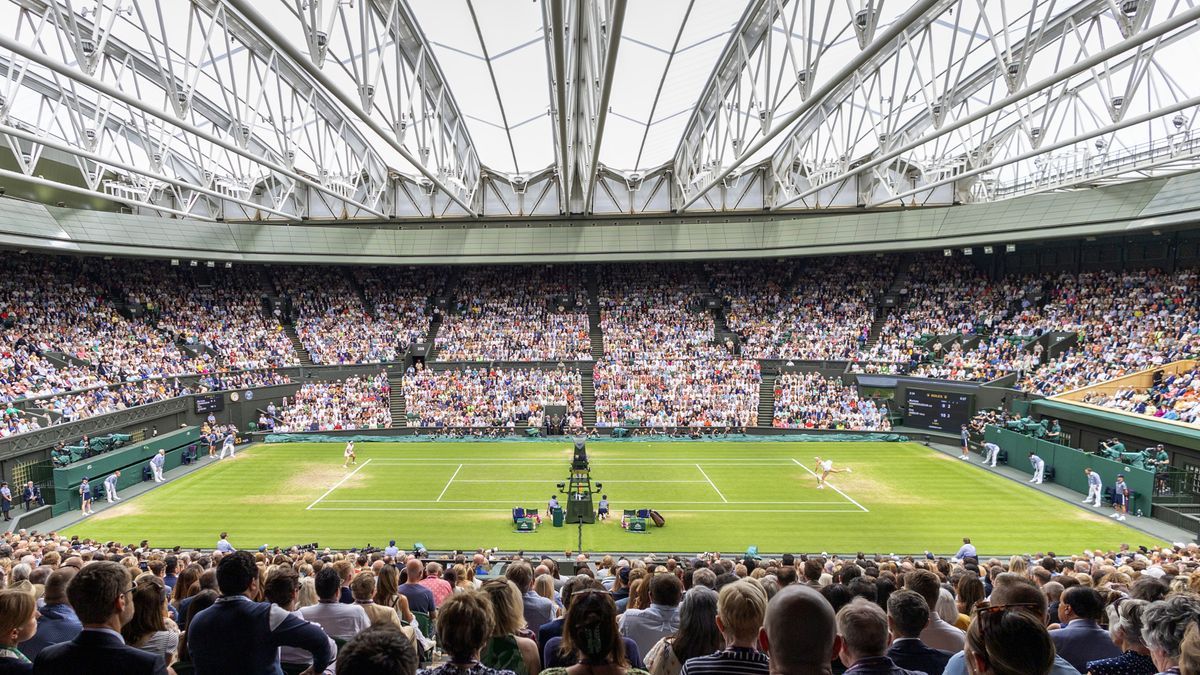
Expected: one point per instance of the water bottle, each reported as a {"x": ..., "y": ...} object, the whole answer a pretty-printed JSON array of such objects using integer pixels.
[{"x": 1139, "y": 513}]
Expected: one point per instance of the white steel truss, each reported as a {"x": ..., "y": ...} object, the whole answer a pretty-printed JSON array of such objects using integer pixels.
[{"x": 291, "y": 110}]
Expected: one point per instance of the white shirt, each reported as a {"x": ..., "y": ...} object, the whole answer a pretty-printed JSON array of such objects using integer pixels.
[
  {"x": 827, "y": 465},
  {"x": 338, "y": 620}
]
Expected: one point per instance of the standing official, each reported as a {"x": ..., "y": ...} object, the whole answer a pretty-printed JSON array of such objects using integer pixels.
[
  {"x": 966, "y": 442},
  {"x": 5, "y": 500},
  {"x": 110, "y": 487},
  {"x": 990, "y": 452},
  {"x": 1095, "y": 488},
  {"x": 227, "y": 445},
  {"x": 1039, "y": 469},
  {"x": 156, "y": 465}
]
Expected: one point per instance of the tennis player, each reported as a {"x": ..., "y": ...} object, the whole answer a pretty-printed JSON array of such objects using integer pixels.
[
  {"x": 826, "y": 468},
  {"x": 351, "y": 457}
]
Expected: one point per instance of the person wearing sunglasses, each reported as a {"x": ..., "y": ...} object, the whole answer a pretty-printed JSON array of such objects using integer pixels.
[{"x": 1008, "y": 640}]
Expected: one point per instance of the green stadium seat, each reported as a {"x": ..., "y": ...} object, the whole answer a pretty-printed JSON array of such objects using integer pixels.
[{"x": 424, "y": 623}]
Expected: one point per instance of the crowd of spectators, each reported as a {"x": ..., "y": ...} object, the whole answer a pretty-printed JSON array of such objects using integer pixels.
[
  {"x": 655, "y": 312},
  {"x": 813, "y": 401},
  {"x": 993, "y": 357},
  {"x": 331, "y": 320},
  {"x": 222, "y": 310},
  {"x": 822, "y": 310},
  {"x": 668, "y": 392},
  {"x": 535, "y": 314},
  {"x": 353, "y": 403},
  {"x": 1115, "y": 612},
  {"x": 400, "y": 298},
  {"x": 1175, "y": 397},
  {"x": 491, "y": 397}
]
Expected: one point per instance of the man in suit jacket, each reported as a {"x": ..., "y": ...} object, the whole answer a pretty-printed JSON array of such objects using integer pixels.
[
  {"x": 908, "y": 614},
  {"x": 1081, "y": 639},
  {"x": 101, "y": 594},
  {"x": 239, "y": 635}
]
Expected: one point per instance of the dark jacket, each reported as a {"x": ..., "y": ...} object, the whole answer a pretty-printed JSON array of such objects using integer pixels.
[
  {"x": 913, "y": 654},
  {"x": 878, "y": 665},
  {"x": 238, "y": 635},
  {"x": 1081, "y": 641},
  {"x": 97, "y": 651},
  {"x": 549, "y": 630},
  {"x": 56, "y": 624}
]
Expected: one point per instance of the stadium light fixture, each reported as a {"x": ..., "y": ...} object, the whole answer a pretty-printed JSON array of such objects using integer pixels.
[
  {"x": 210, "y": 263},
  {"x": 1010, "y": 248},
  {"x": 228, "y": 265},
  {"x": 174, "y": 262},
  {"x": 968, "y": 251},
  {"x": 987, "y": 250},
  {"x": 947, "y": 252},
  {"x": 193, "y": 263}
]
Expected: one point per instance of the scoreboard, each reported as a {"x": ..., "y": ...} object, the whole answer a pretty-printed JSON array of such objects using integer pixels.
[
  {"x": 938, "y": 410},
  {"x": 206, "y": 403}
]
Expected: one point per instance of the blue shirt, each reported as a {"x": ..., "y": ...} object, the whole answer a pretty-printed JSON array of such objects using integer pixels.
[
  {"x": 158, "y": 460},
  {"x": 1094, "y": 479},
  {"x": 1037, "y": 462},
  {"x": 957, "y": 665},
  {"x": 967, "y": 551},
  {"x": 224, "y": 546},
  {"x": 58, "y": 623},
  {"x": 110, "y": 483}
]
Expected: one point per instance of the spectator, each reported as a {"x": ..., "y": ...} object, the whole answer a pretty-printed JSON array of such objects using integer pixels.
[
  {"x": 282, "y": 589},
  {"x": 57, "y": 621},
  {"x": 339, "y": 621},
  {"x": 201, "y": 601},
  {"x": 387, "y": 593},
  {"x": 150, "y": 630},
  {"x": 1163, "y": 626},
  {"x": 537, "y": 610},
  {"x": 697, "y": 634},
  {"x": 591, "y": 635},
  {"x": 938, "y": 634},
  {"x": 907, "y": 615},
  {"x": 240, "y": 635},
  {"x": 647, "y": 626},
  {"x": 466, "y": 623},
  {"x": 863, "y": 629},
  {"x": 741, "y": 608},
  {"x": 507, "y": 650},
  {"x": 379, "y": 650},
  {"x": 420, "y": 599},
  {"x": 799, "y": 632},
  {"x": 1009, "y": 640},
  {"x": 433, "y": 580},
  {"x": 1081, "y": 639},
  {"x": 1189, "y": 651},
  {"x": 18, "y": 623},
  {"x": 99, "y": 593},
  {"x": 1125, "y": 626}
]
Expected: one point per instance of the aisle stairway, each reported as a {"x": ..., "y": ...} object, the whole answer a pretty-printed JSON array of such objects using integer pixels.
[
  {"x": 766, "y": 401},
  {"x": 594, "y": 333},
  {"x": 301, "y": 353},
  {"x": 435, "y": 324},
  {"x": 399, "y": 414},
  {"x": 588, "y": 397}
]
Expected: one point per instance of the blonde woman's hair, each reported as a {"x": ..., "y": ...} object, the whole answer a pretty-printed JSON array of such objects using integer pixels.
[{"x": 507, "y": 608}]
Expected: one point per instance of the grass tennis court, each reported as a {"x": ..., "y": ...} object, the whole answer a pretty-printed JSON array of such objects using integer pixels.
[{"x": 900, "y": 498}]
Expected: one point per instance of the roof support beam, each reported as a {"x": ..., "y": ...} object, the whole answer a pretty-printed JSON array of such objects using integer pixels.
[
  {"x": 287, "y": 47},
  {"x": 70, "y": 72},
  {"x": 916, "y": 14},
  {"x": 1150, "y": 33},
  {"x": 615, "y": 23}
]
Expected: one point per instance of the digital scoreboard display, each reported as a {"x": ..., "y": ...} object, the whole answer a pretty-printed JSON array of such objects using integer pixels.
[
  {"x": 210, "y": 403},
  {"x": 938, "y": 410}
]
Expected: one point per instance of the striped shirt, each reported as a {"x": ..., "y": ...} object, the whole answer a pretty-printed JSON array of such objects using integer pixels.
[
  {"x": 1094, "y": 479},
  {"x": 732, "y": 661}
]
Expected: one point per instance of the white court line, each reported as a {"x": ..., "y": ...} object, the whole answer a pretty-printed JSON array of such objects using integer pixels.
[
  {"x": 835, "y": 489},
  {"x": 509, "y": 501},
  {"x": 449, "y": 482},
  {"x": 560, "y": 462},
  {"x": 722, "y": 510},
  {"x": 335, "y": 485},
  {"x": 714, "y": 485},
  {"x": 552, "y": 480}
]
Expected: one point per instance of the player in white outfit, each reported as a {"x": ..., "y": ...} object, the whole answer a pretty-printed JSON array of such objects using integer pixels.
[
  {"x": 1039, "y": 469},
  {"x": 1095, "y": 488},
  {"x": 826, "y": 468},
  {"x": 351, "y": 457},
  {"x": 990, "y": 452}
]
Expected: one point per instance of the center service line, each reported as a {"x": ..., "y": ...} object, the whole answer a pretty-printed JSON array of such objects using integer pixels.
[
  {"x": 449, "y": 482},
  {"x": 714, "y": 485},
  {"x": 335, "y": 485}
]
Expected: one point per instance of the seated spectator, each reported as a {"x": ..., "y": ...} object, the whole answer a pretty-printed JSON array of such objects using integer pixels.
[
  {"x": 356, "y": 403},
  {"x": 99, "y": 593},
  {"x": 490, "y": 397},
  {"x": 863, "y": 629},
  {"x": 799, "y": 632},
  {"x": 697, "y": 634},
  {"x": 648, "y": 626},
  {"x": 238, "y": 634},
  {"x": 812, "y": 401},
  {"x": 465, "y": 625},
  {"x": 18, "y": 623},
  {"x": 536, "y": 610},
  {"x": 907, "y": 615},
  {"x": 665, "y": 392},
  {"x": 379, "y": 650},
  {"x": 150, "y": 630},
  {"x": 1125, "y": 626},
  {"x": 741, "y": 608},
  {"x": 339, "y": 621},
  {"x": 1163, "y": 626},
  {"x": 938, "y": 634},
  {"x": 200, "y": 602},
  {"x": 590, "y": 634},
  {"x": 1081, "y": 639},
  {"x": 506, "y": 650},
  {"x": 1009, "y": 640},
  {"x": 57, "y": 621}
]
